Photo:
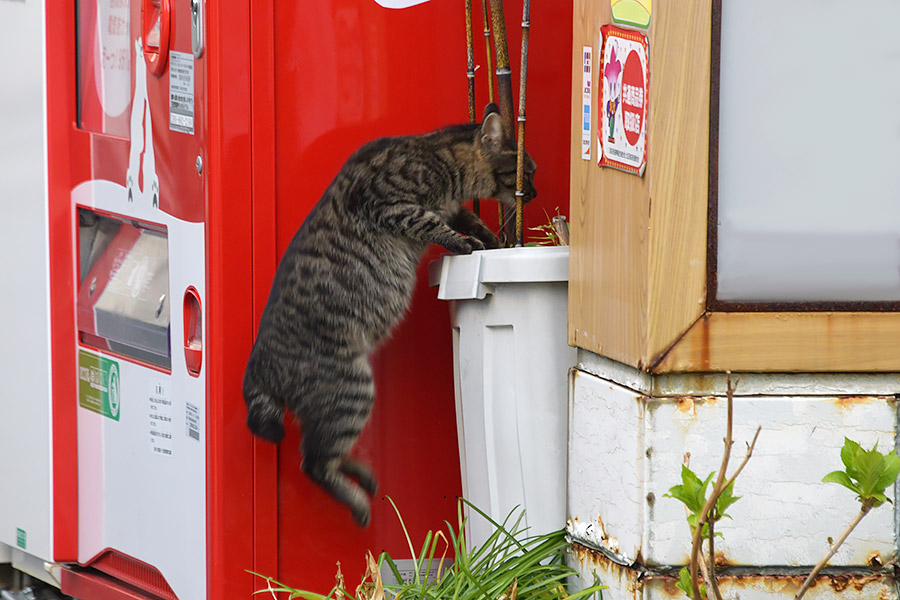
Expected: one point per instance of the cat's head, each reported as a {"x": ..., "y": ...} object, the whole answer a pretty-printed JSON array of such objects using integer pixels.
[{"x": 500, "y": 152}]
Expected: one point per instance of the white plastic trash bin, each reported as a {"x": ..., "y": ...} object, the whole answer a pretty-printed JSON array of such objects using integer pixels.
[{"x": 508, "y": 309}]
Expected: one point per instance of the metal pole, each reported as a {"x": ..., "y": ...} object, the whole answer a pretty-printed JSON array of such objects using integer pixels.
[{"x": 520, "y": 157}]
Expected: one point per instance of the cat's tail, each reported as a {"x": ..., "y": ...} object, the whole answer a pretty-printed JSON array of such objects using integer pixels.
[{"x": 265, "y": 414}]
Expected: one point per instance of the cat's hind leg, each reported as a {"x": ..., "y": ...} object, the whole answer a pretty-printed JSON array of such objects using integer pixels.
[
  {"x": 333, "y": 409},
  {"x": 265, "y": 415},
  {"x": 362, "y": 473},
  {"x": 327, "y": 473}
]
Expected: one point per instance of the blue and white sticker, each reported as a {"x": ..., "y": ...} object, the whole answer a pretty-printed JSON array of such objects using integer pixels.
[{"x": 586, "y": 101}]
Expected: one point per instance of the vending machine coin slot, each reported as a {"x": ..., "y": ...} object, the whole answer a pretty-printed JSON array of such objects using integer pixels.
[
  {"x": 155, "y": 27},
  {"x": 123, "y": 292}
]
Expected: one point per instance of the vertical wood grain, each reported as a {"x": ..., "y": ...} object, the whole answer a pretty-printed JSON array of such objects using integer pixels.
[
  {"x": 678, "y": 152},
  {"x": 608, "y": 274}
]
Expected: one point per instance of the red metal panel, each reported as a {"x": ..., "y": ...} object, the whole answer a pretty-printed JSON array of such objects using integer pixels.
[
  {"x": 60, "y": 118},
  {"x": 263, "y": 128},
  {"x": 229, "y": 299},
  {"x": 348, "y": 71}
]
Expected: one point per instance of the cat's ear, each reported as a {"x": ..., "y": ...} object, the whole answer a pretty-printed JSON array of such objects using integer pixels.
[
  {"x": 492, "y": 132},
  {"x": 490, "y": 108}
]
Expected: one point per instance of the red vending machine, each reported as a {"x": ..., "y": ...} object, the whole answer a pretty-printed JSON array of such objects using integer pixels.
[{"x": 188, "y": 140}]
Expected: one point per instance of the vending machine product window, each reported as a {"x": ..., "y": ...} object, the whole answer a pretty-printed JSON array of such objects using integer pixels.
[{"x": 123, "y": 289}]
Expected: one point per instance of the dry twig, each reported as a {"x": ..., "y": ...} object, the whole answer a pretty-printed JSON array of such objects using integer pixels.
[{"x": 721, "y": 485}]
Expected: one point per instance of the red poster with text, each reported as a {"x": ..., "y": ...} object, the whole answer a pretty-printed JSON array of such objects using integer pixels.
[{"x": 622, "y": 138}]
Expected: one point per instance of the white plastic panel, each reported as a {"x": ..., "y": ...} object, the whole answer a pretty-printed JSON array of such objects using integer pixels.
[
  {"x": 142, "y": 464},
  {"x": 809, "y": 147},
  {"x": 25, "y": 427}
]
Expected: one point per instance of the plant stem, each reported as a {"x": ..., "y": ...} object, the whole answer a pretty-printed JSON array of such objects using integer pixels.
[
  {"x": 721, "y": 485},
  {"x": 713, "y": 583},
  {"x": 711, "y": 501},
  {"x": 866, "y": 507},
  {"x": 703, "y": 570}
]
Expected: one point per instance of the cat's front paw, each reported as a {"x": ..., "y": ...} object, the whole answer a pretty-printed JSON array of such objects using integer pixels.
[
  {"x": 489, "y": 240},
  {"x": 464, "y": 245}
]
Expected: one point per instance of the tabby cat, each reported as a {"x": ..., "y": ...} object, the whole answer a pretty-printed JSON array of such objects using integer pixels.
[{"x": 346, "y": 280}]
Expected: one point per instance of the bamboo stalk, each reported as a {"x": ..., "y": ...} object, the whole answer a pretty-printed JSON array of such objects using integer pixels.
[
  {"x": 504, "y": 75},
  {"x": 520, "y": 154},
  {"x": 470, "y": 74},
  {"x": 504, "y": 95},
  {"x": 486, "y": 18}
]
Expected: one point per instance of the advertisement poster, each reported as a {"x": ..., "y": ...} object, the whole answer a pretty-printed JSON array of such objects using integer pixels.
[
  {"x": 622, "y": 137},
  {"x": 631, "y": 12}
]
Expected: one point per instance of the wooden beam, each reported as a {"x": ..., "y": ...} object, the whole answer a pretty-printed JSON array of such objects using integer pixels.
[
  {"x": 787, "y": 342},
  {"x": 679, "y": 179},
  {"x": 637, "y": 275},
  {"x": 609, "y": 213}
]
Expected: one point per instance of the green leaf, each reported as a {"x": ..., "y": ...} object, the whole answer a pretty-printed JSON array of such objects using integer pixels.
[
  {"x": 841, "y": 478},
  {"x": 684, "y": 581},
  {"x": 701, "y": 493},
  {"x": 692, "y": 491},
  {"x": 879, "y": 498},
  {"x": 889, "y": 473},
  {"x": 692, "y": 520},
  {"x": 869, "y": 466},
  {"x": 849, "y": 456},
  {"x": 726, "y": 499}
]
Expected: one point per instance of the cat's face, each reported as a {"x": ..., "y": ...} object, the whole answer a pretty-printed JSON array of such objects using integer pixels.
[{"x": 500, "y": 152}]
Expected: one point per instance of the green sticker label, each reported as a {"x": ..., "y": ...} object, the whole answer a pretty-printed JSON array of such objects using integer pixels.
[
  {"x": 98, "y": 384},
  {"x": 21, "y": 538}
]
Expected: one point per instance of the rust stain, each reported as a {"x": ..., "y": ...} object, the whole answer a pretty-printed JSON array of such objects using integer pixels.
[
  {"x": 848, "y": 402},
  {"x": 686, "y": 405},
  {"x": 721, "y": 561},
  {"x": 874, "y": 560},
  {"x": 637, "y": 583},
  {"x": 628, "y": 580}
]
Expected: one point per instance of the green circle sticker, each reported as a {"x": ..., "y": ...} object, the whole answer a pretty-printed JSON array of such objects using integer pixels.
[{"x": 113, "y": 387}]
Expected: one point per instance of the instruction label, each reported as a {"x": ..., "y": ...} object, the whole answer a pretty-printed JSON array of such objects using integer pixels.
[
  {"x": 181, "y": 92},
  {"x": 160, "y": 421},
  {"x": 192, "y": 421},
  {"x": 99, "y": 385}
]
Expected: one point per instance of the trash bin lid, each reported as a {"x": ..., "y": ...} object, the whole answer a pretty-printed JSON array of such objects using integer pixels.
[{"x": 464, "y": 277}]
